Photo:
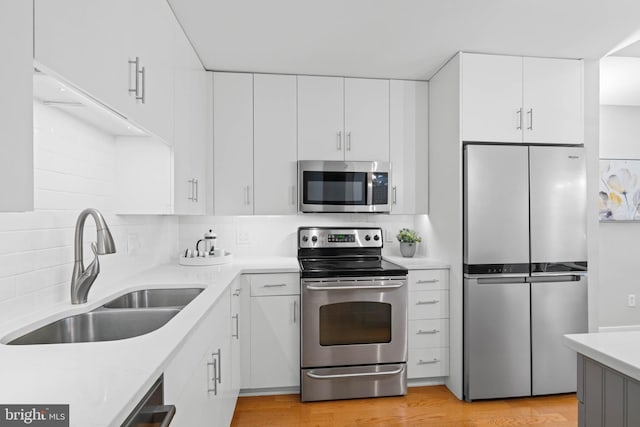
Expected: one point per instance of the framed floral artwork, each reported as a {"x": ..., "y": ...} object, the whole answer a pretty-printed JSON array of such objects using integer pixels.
[{"x": 619, "y": 190}]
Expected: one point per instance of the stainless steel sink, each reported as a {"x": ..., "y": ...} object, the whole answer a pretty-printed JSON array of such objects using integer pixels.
[
  {"x": 99, "y": 325},
  {"x": 152, "y": 298}
]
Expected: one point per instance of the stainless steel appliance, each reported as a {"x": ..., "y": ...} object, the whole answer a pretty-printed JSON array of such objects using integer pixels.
[
  {"x": 334, "y": 186},
  {"x": 354, "y": 316},
  {"x": 525, "y": 268}
]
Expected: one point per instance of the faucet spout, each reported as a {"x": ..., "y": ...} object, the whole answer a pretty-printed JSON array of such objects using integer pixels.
[{"x": 82, "y": 279}]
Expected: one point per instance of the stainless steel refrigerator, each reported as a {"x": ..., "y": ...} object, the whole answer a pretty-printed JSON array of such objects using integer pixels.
[{"x": 525, "y": 268}]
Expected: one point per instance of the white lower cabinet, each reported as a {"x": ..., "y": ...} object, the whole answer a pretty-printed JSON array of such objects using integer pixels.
[
  {"x": 199, "y": 380},
  {"x": 428, "y": 327},
  {"x": 274, "y": 330}
]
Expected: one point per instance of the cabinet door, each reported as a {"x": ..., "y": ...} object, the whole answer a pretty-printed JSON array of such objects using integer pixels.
[
  {"x": 274, "y": 144},
  {"x": 366, "y": 119},
  {"x": 83, "y": 42},
  {"x": 192, "y": 119},
  {"x": 233, "y": 143},
  {"x": 408, "y": 146},
  {"x": 275, "y": 341},
  {"x": 553, "y": 111},
  {"x": 320, "y": 118},
  {"x": 16, "y": 105},
  {"x": 150, "y": 38},
  {"x": 491, "y": 98},
  {"x": 237, "y": 338}
]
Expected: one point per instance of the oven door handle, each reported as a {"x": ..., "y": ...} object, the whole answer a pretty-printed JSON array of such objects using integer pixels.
[
  {"x": 353, "y": 287},
  {"x": 310, "y": 374}
]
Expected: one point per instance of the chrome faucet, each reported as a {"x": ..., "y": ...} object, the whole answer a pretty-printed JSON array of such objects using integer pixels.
[{"x": 82, "y": 278}]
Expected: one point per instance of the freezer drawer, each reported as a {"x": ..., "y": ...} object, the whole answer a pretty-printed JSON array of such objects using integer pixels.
[
  {"x": 497, "y": 346},
  {"x": 557, "y": 308}
]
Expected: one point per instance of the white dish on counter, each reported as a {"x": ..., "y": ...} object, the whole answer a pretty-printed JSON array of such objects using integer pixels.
[{"x": 205, "y": 261}]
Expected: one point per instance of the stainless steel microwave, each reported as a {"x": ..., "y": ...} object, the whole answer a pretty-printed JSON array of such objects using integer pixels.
[{"x": 335, "y": 186}]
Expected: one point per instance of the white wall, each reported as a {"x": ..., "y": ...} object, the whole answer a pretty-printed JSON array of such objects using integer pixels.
[
  {"x": 277, "y": 235},
  {"x": 74, "y": 169},
  {"x": 618, "y": 247}
]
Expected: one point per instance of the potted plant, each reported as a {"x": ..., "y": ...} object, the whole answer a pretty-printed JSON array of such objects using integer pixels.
[{"x": 408, "y": 239}]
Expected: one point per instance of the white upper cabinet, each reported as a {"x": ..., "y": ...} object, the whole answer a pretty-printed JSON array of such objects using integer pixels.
[
  {"x": 343, "y": 118},
  {"x": 553, "y": 103},
  {"x": 516, "y": 99},
  {"x": 491, "y": 98},
  {"x": 274, "y": 144},
  {"x": 191, "y": 125},
  {"x": 320, "y": 118},
  {"x": 366, "y": 118},
  {"x": 94, "y": 46},
  {"x": 16, "y": 105},
  {"x": 233, "y": 143},
  {"x": 408, "y": 145}
]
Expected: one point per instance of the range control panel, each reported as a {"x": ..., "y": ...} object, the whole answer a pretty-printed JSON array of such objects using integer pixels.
[{"x": 321, "y": 237}]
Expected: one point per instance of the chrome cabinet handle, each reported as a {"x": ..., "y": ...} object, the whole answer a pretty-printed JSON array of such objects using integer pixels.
[
  {"x": 196, "y": 190},
  {"x": 431, "y": 332},
  {"x": 136, "y": 89},
  {"x": 530, "y": 116},
  {"x": 142, "y": 95},
  {"x": 310, "y": 374},
  {"x": 292, "y": 199},
  {"x": 348, "y": 141},
  {"x": 420, "y": 282},
  {"x": 274, "y": 285},
  {"x": 191, "y": 188},
  {"x": 428, "y": 362},
  {"x": 519, "y": 113},
  {"x": 295, "y": 309},
  {"x": 237, "y": 334},
  {"x": 433, "y": 301},
  {"x": 214, "y": 379},
  {"x": 395, "y": 195},
  {"x": 247, "y": 195},
  {"x": 218, "y": 354},
  {"x": 339, "y": 139}
]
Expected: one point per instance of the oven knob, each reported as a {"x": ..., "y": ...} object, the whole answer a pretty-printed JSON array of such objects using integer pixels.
[
  {"x": 305, "y": 238},
  {"x": 367, "y": 237},
  {"x": 376, "y": 237},
  {"x": 314, "y": 239}
]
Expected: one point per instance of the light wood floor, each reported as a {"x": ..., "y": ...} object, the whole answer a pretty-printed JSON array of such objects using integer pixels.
[{"x": 422, "y": 406}]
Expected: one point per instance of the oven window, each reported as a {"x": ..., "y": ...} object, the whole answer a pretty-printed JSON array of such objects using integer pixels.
[
  {"x": 349, "y": 323},
  {"x": 334, "y": 188}
]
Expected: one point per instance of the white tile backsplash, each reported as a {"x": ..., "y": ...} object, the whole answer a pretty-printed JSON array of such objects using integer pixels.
[{"x": 74, "y": 168}]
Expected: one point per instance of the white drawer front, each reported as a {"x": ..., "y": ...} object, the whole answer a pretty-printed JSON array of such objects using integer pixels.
[
  {"x": 275, "y": 284},
  {"x": 428, "y": 333},
  {"x": 428, "y": 362},
  {"x": 427, "y": 280},
  {"x": 428, "y": 305}
]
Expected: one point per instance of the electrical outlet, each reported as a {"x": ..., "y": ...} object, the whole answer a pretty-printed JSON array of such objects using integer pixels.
[
  {"x": 133, "y": 243},
  {"x": 388, "y": 235},
  {"x": 243, "y": 237},
  {"x": 631, "y": 300}
]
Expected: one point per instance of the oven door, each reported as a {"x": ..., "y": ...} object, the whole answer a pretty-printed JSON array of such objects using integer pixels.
[{"x": 355, "y": 321}]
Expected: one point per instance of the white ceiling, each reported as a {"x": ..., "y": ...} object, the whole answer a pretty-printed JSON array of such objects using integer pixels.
[{"x": 407, "y": 39}]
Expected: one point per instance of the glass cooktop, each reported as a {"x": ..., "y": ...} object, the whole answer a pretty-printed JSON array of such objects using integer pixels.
[{"x": 349, "y": 267}]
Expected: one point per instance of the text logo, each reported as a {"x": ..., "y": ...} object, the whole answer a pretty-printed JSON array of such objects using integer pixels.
[{"x": 34, "y": 415}]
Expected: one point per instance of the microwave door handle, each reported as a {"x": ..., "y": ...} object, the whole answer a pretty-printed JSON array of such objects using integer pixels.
[{"x": 369, "y": 189}]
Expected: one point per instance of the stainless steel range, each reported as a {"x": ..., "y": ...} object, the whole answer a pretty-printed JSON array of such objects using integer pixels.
[{"x": 354, "y": 315}]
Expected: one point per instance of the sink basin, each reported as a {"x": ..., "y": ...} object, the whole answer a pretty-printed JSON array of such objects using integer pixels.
[
  {"x": 152, "y": 298},
  {"x": 99, "y": 325}
]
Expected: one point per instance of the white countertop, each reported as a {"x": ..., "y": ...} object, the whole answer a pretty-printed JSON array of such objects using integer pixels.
[
  {"x": 618, "y": 350},
  {"x": 103, "y": 381},
  {"x": 417, "y": 263}
]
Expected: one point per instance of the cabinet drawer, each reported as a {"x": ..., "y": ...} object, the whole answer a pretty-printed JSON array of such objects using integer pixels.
[
  {"x": 428, "y": 305},
  {"x": 425, "y": 280},
  {"x": 274, "y": 284},
  {"x": 428, "y": 333},
  {"x": 428, "y": 362}
]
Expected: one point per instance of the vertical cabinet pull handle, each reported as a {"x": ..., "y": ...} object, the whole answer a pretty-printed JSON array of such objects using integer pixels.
[
  {"x": 195, "y": 196},
  {"x": 237, "y": 334},
  {"x": 218, "y": 354},
  {"x": 530, "y": 115},
  {"x": 191, "y": 190},
  {"x": 214, "y": 378},
  {"x": 519, "y": 120},
  {"x": 339, "y": 141},
  {"x": 395, "y": 195},
  {"x": 348, "y": 141},
  {"x": 295, "y": 310},
  {"x": 143, "y": 92},
  {"x": 135, "y": 90}
]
